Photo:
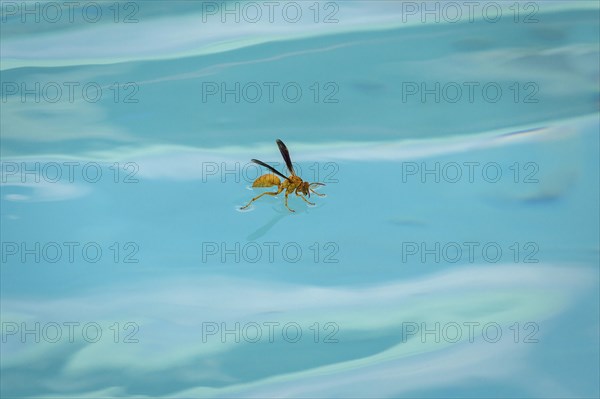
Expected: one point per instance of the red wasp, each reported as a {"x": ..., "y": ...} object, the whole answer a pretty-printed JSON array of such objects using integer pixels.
[{"x": 291, "y": 184}]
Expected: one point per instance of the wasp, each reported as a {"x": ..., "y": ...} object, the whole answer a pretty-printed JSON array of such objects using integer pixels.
[{"x": 291, "y": 184}]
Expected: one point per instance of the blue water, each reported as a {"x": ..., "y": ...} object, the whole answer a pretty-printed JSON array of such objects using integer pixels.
[{"x": 384, "y": 276}]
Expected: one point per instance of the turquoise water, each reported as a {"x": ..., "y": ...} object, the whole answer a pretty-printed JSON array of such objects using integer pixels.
[{"x": 461, "y": 213}]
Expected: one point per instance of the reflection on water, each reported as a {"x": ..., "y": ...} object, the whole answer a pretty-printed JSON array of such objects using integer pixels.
[
  {"x": 371, "y": 338},
  {"x": 401, "y": 241}
]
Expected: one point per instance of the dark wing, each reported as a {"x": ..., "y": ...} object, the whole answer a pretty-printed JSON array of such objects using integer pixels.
[
  {"x": 272, "y": 169},
  {"x": 286, "y": 156}
]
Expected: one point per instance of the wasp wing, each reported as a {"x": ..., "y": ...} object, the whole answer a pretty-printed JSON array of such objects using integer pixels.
[
  {"x": 286, "y": 156},
  {"x": 272, "y": 169}
]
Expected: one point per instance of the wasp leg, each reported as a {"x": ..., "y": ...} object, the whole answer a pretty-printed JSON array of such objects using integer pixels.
[
  {"x": 314, "y": 192},
  {"x": 286, "y": 201},
  {"x": 304, "y": 198},
  {"x": 258, "y": 196}
]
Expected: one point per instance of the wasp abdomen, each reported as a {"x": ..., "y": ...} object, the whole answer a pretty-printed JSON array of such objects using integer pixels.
[{"x": 266, "y": 181}]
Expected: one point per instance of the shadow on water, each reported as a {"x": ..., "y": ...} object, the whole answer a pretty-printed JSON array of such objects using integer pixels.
[
  {"x": 261, "y": 231},
  {"x": 281, "y": 212}
]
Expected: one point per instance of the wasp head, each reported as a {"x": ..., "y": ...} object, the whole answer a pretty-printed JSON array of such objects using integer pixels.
[{"x": 305, "y": 189}]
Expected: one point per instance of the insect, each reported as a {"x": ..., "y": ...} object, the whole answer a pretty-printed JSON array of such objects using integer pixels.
[{"x": 291, "y": 184}]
